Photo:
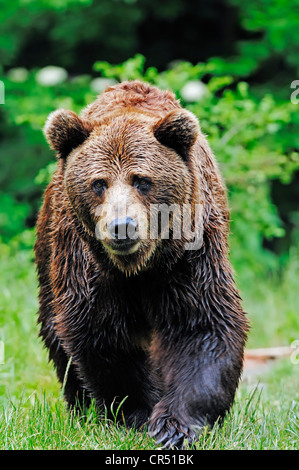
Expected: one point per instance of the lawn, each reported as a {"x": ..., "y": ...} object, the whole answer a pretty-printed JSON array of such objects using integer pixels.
[{"x": 33, "y": 414}]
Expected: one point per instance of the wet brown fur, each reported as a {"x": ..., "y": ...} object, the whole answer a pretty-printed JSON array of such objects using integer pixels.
[{"x": 163, "y": 327}]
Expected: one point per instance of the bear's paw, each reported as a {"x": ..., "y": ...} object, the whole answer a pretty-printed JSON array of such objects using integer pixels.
[{"x": 171, "y": 432}]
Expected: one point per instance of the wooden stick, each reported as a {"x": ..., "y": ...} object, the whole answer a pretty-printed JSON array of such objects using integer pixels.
[{"x": 268, "y": 353}]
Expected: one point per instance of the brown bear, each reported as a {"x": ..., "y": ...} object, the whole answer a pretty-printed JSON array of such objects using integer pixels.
[{"x": 152, "y": 322}]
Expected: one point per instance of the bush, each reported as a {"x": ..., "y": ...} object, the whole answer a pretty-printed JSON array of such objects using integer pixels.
[{"x": 253, "y": 139}]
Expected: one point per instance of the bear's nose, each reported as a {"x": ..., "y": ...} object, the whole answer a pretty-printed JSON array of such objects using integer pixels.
[{"x": 124, "y": 228}]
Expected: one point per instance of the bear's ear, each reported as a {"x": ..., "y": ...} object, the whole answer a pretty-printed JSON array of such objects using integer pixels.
[
  {"x": 178, "y": 130},
  {"x": 64, "y": 131}
]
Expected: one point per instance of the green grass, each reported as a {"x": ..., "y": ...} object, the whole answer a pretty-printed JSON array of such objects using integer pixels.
[
  {"x": 272, "y": 303},
  {"x": 25, "y": 359},
  {"x": 33, "y": 414},
  {"x": 44, "y": 423},
  {"x": 263, "y": 418}
]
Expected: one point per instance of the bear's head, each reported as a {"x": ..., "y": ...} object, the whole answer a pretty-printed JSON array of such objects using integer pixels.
[{"x": 127, "y": 178}]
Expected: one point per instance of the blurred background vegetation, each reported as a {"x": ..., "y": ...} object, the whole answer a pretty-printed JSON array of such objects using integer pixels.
[{"x": 230, "y": 62}]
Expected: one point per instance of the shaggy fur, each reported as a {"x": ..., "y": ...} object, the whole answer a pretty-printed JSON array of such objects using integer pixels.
[{"x": 161, "y": 326}]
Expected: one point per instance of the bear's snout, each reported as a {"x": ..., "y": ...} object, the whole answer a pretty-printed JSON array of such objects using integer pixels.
[
  {"x": 123, "y": 234},
  {"x": 123, "y": 229}
]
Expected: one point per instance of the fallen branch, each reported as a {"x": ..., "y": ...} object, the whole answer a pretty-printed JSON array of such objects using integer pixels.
[{"x": 268, "y": 353}]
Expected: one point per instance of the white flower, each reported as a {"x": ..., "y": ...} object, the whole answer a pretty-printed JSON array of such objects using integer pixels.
[
  {"x": 194, "y": 90},
  {"x": 18, "y": 74},
  {"x": 51, "y": 75},
  {"x": 100, "y": 84}
]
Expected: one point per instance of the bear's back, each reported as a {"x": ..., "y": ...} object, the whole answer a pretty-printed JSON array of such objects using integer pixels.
[{"x": 134, "y": 95}]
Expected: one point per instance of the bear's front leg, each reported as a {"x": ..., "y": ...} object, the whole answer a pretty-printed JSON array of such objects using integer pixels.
[
  {"x": 120, "y": 380},
  {"x": 200, "y": 374}
]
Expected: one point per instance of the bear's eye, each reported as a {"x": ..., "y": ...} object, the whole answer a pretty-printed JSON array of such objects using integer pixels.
[
  {"x": 142, "y": 183},
  {"x": 99, "y": 186}
]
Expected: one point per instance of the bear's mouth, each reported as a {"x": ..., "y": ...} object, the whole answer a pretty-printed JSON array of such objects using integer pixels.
[{"x": 122, "y": 247}]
